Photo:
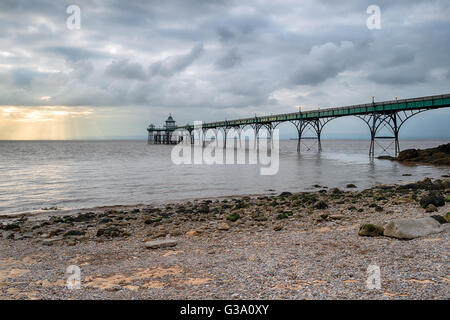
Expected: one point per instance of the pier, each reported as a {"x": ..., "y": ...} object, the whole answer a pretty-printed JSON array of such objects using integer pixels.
[{"x": 377, "y": 115}]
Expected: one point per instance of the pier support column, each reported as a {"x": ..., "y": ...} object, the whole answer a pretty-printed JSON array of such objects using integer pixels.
[
  {"x": 300, "y": 125},
  {"x": 393, "y": 120},
  {"x": 225, "y": 134},
  {"x": 256, "y": 129},
  {"x": 204, "y": 130}
]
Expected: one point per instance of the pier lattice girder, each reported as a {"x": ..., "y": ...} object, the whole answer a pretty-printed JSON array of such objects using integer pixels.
[{"x": 377, "y": 115}]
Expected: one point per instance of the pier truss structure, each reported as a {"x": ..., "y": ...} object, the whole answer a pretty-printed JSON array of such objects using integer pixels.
[{"x": 378, "y": 116}]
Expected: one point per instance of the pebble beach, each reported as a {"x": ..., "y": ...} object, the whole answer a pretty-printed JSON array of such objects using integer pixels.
[{"x": 306, "y": 245}]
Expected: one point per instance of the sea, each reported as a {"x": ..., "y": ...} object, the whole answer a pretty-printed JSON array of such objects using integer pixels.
[{"x": 70, "y": 175}]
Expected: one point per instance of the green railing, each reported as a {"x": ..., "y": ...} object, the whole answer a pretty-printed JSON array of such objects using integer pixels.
[{"x": 430, "y": 102}]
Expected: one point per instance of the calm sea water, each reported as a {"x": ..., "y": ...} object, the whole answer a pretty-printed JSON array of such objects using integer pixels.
[{"x": 84, "y": 174}]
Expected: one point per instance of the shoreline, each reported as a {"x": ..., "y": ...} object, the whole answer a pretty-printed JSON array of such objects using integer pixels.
[
  {"x": 301, "y": 245},
  {"x": 47, "y": 213}
]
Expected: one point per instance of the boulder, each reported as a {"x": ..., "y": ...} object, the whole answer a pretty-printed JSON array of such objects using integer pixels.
[
  {"x": 430, "y": 208},
  {"x": 411, "y": 228},
  {"x": 155, "y": 244}
]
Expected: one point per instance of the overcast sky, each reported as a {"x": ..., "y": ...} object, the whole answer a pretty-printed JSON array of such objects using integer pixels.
[{"x": 134, "y": 62}]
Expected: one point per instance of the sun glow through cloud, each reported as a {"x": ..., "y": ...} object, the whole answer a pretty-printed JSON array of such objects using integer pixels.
[{"x": 47, "y": 122}]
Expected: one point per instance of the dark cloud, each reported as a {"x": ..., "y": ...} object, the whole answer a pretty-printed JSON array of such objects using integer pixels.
[
  {"x": 127, "y": 70},
  {"x": 229, "y": 59},
  {"x": 324, "y": 62},
  {"x": 175, "y": 64}
]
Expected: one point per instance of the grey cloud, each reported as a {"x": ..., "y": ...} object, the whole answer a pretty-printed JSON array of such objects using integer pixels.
[
  {"x": 323, "y": 62},
  {"x": 225, "y": 34},
  {"x": 127, "y": 70},
  {"x": 397, "y": 76},
  {"x": 263, "y": 57},
  {"x": 73, "y": 53},
  {"x": 229, "y": 59},
  {"x": 175, "y": 64}
]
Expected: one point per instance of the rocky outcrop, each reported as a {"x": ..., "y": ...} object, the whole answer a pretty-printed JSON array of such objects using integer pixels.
[
  {"x": 412, "y": 228},
  {"x": 437, "y": 156}
]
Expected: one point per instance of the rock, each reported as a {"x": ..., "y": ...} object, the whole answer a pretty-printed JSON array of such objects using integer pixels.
[
  {"x": 434, "y": 198},
  {"x": 335, "y": 191},
  {"x": 430, "y": 208},
  {"x": 84, "y": 217},
  {"x": 285, "y": 194},
  {"x": 260, "y": 218},
  {"x": 26, "y": 235},
  {"x": 233, "y": 217},
  {"x": 437, "y": 156},
  {"x": 337, "y": 217},
  {"x": 278, "y": 227},
  {"x": 193, "y": 233},
  {"x": 351, "y": 185},
  {"x": 12, "y": 226},
  {"x": 71, "y": 242},
  {"x": 111, "y": 232},
  {"x": 223, "y": 226},
  {"x": 386, "y": 158},
  {"x": 155, "y": 244},
  {"x": 159, "y": 234},
  {"x": 439, "y": 218},
  {"x": 370, "y": 230},
  {"x": 447, "y": 217},
  {"x": 50, "y": 242},
  {"x": 320, "y": 205},
  {"x": 407, "y": 154},
  {"x": 74, "y": 233},
  {"x": 8, "y": 235},
  {"x": 203, "y": 208},
  {"x": 282, "y": 216},
  {"x": 152, "y": 220},
  {"x": 411, "y": 228}
]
